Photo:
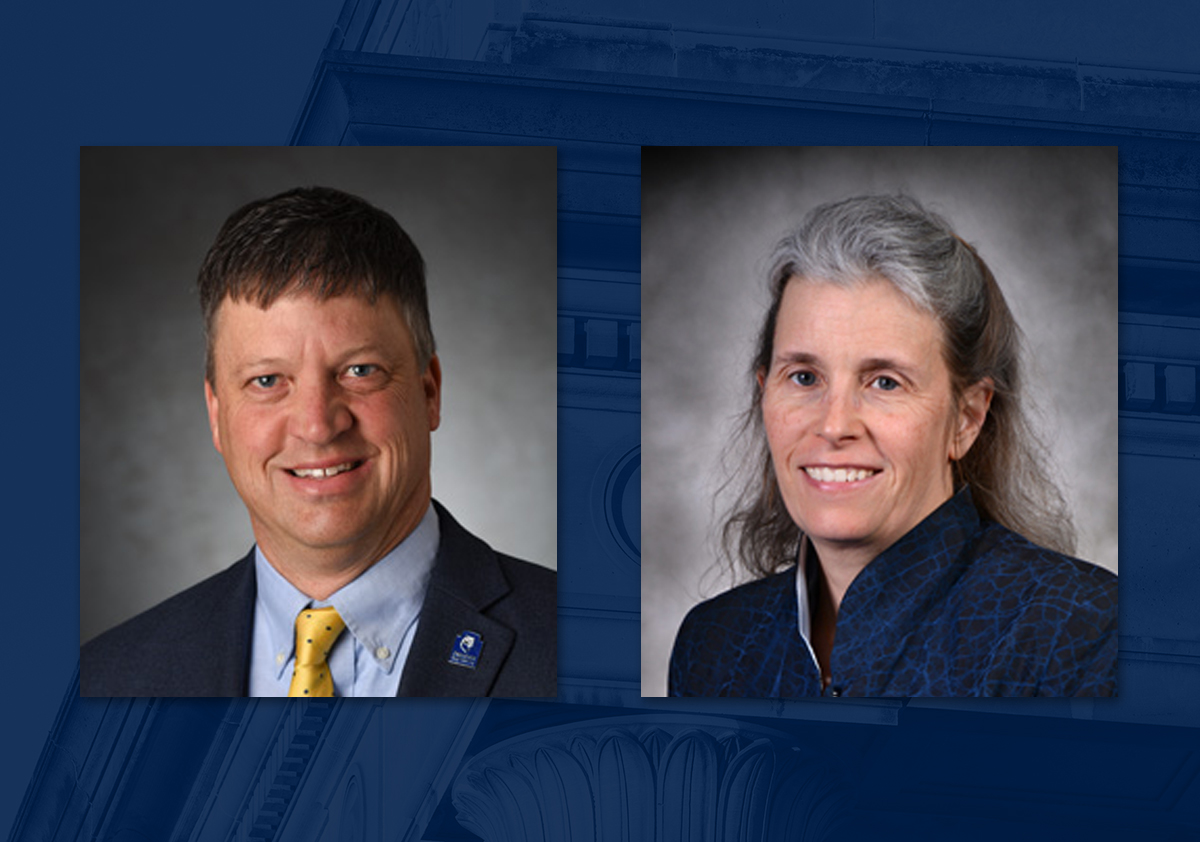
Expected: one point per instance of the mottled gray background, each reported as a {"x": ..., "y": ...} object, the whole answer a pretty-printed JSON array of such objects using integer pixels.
[
  {"x": 157, "y": 510},
  {"x": 1044, "y": 219}
]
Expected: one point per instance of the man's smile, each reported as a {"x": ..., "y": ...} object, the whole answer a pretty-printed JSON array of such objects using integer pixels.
[{"x": 322, "y": 473}]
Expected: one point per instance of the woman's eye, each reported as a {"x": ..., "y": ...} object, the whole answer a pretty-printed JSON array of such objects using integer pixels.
[
  {"x": 266, "y": 381},
  {"x": 361, "y": 370},
  {"x": 886, "y": 383},
  {"x": 803, "y": 378}
]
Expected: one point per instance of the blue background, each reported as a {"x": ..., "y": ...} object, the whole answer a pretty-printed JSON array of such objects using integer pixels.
[
  {"x": 231, "y": 73},
  {"x": 84, "y": 74}
]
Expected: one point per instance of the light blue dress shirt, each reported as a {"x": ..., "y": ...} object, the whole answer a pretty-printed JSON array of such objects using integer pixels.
[{"x": 381, "y": 608}]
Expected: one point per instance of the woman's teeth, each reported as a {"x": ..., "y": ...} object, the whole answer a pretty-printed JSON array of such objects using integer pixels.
[{"x": 839, "y": 474}]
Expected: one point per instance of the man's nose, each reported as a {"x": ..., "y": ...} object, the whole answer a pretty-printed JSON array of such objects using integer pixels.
[
  {"x": 320, "y": 413},
  {"x": 842, "y": 419}
]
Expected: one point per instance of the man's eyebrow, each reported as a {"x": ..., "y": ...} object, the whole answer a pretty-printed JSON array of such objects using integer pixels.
[
  {"x": 365, "y": 348},
  {"x": 260, "y": 363},
  {"x": 343, "y": 355}
]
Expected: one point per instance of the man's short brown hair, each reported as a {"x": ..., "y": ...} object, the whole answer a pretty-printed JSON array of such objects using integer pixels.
[{"x": 314, "y": 241}]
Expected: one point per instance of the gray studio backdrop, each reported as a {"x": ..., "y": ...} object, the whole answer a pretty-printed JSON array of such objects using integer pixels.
[
  {"x": 1045, "y": 220},
  {"x": 157, "y": 510}
]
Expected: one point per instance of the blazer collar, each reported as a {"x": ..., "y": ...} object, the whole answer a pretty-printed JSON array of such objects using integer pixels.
[
  {"x": 897, "y": 591},
  {"x": 467, "y": 579}
]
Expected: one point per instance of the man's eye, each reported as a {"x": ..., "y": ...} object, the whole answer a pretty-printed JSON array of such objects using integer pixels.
[
  {"x": 886, "y": 383},
  {"x": 361, "y": 370},
  {"x": 266, "y": 381},
  {"x": 803, "y": 378}
]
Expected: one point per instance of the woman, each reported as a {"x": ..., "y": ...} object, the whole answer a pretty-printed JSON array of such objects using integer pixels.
[{"x": 907, "y": 535}]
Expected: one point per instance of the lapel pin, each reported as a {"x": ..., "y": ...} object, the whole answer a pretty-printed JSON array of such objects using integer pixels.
[{"x": 466, "y": 649}]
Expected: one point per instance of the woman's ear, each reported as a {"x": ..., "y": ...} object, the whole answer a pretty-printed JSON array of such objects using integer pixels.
[{"x": 973, "y": 408}]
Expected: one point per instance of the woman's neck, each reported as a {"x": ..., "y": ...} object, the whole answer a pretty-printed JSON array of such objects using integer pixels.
[{"x": 839, "y": 566}]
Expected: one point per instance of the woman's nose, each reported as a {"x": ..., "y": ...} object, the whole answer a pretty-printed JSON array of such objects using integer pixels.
[{"x": 842, "y": 419}]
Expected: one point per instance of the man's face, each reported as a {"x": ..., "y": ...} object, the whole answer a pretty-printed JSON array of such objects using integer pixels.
[{"x": 323, "y": 418}]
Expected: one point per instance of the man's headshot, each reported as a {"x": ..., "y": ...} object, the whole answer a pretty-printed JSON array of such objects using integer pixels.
[{"x": 323, "y": 386}]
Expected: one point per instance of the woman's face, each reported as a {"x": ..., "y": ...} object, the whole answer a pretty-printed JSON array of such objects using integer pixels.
[{"x": 860, "y": 414}]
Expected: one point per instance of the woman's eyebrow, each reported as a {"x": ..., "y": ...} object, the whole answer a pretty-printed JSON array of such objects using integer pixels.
[
  {"x": 797, "y": 358},
  {"x": 868, "y": 364},
  {"x": 874, "y": 363}
]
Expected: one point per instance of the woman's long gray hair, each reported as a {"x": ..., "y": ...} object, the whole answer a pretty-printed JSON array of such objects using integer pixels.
[{"x": 896, "y": 239}]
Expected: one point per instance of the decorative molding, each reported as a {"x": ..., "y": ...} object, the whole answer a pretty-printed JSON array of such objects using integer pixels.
[
  {"x": 334, "y": 752},
  {"x": 839, "y": 62},
  {"x": 599, "y": 320},
  {"x": 1160, "y": 650},
  {"x": 442, "y": 780},
  {"x": 651, "y": 778},
  {"x": 352, "y": 826},
  {"x": 1157, "y": 370},
  {"x": 610, "y": 391},
  {"x": 284, "y": 769},
  {"x": 1161, "y": 338}
]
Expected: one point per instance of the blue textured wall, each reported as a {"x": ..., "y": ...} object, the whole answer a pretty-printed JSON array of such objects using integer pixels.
[{"x": 887, "y": 72}]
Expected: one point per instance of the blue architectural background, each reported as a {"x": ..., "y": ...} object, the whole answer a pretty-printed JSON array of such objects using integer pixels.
[{"x": 599, "y": 82}]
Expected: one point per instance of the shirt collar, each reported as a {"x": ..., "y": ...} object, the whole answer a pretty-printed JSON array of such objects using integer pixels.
[
  {"x": 378, "y": 606},
  {"x": 804, "y": 614}
]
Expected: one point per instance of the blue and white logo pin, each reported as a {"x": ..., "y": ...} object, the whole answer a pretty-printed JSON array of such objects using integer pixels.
[{"x": 466, "y": 649}]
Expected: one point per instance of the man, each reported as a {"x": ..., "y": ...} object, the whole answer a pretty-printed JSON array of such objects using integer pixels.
[{"x": 323, "y": 386}]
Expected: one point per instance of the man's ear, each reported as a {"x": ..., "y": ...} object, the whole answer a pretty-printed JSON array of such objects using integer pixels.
[
  {"x": 973, "y": 408},
  {"x": 431, "y": 380},
  {"x": 210, "y": 399}
]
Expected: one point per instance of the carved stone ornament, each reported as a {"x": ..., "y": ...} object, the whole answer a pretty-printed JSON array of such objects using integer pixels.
[{"x": 712, "y": 780}]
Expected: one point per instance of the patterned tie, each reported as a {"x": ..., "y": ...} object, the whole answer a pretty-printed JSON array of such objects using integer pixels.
[{"x": 316, "y": 630}]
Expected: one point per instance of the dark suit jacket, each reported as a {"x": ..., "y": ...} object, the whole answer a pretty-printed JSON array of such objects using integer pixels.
[
  {"x": 956, "y": 607},
  {"x": 197, "y": 643}
]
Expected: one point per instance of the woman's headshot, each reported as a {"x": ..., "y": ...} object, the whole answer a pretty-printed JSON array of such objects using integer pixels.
[{"x": 886, "y": 512}]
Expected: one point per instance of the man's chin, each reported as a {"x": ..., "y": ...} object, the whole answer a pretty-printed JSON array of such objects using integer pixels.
[{"x": 320, "y": 536}]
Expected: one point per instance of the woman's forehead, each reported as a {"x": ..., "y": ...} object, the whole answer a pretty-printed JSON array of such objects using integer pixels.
[{"x": 869, "y": 317}]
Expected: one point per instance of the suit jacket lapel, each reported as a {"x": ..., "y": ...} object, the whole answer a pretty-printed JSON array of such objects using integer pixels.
[
  {"x": 466, "y": 580},
  {"x": 215, "y": 662}
]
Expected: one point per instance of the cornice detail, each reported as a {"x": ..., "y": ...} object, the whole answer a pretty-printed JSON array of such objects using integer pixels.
[{"x": 650, "y": 778}]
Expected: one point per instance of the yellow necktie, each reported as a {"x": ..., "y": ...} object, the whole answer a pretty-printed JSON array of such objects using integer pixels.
[{"x": 316, "y": 630}]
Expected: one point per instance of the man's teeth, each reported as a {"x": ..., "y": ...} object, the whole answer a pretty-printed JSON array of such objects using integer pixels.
[
  {"x": 317, "y": 473},
  {"x": 838, "y": 474}
]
